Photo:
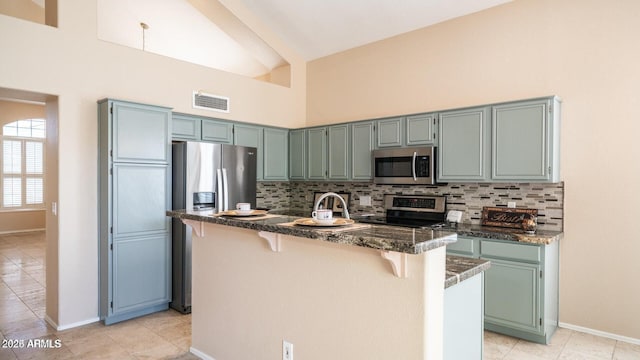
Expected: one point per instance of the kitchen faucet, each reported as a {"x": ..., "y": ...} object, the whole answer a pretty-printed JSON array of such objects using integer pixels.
[{"x": 345, "y": 212}]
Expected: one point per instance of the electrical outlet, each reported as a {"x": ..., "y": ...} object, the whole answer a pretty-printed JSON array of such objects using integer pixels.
[
  {"x": 511, "y": 204},
  {"x": 287, "y": 350},
  {"x": 365, "y": 200}
]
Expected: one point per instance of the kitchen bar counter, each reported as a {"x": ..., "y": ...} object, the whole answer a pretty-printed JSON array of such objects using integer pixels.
[
  {"x": 461, "y": 268},
  {"x": 388, "y": 238},
  {"x": 545, "y": 237}
]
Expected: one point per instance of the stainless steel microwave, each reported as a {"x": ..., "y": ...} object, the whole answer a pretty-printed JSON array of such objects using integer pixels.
[{"x": 414, "y": 165}]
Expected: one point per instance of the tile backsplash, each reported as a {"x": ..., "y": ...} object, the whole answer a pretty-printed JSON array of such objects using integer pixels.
[{"x": 466, "y": 197}]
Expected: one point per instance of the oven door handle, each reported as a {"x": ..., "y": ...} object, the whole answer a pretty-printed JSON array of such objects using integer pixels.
[{"x": 413, "y": 168}]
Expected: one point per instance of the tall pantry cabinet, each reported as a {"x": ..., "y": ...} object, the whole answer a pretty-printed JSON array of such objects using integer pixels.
[{"x": 134, "y": 195}]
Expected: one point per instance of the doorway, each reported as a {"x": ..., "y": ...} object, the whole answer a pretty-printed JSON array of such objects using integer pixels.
[{"x": 28, "y": 200}]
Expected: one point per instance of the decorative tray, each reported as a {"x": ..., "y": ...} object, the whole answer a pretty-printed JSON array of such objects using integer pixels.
[
  {"x": 237, "y": 214},
  {"x": 336, "y": 222}
]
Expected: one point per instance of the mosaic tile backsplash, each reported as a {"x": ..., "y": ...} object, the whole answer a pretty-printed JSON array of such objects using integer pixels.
[{"x": 468, "y": 197}]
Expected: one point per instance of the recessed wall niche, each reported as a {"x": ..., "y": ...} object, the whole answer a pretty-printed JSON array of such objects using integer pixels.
[
  {"x": 43, "y": 12},
  {"x": 200, "y": 32}
]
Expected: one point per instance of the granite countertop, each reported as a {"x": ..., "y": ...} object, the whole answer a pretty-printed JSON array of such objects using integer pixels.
[
  {"x": 390, "y": 238},
  {"x": 461, "y": 268},
  {"x": 542, "y": 237}
]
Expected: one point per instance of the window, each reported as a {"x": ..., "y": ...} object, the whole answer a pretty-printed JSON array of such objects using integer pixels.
[{"x": 22, "y": 156}]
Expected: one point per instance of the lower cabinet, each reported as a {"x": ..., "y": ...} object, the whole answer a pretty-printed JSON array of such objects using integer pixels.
[
  {"x": 520, "y": 287},
  {"x": 463, "y": 329},
  {"x": 140, "y": 274}
]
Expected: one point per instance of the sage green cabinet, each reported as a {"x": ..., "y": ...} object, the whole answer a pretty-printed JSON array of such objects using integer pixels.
[
  {"x": 525, "y": 141},
  {"x": 338, "y": 146},
  {"x": 520, "y": 287},
  {"x": 276, "y": 152},
  {"x": 465, "y": 246},
  {"x": 362, "y": 143},
  {"x": 421, "y": 129},
  {"x": 134, "y": 194},
  {"x": 463, "y": 332},
  {"x": 390, "y": 132},
  {"x": 218, "y": 131},
  {"x": 249, "y": 135},
  {"x": 317, "y": 153},
  {"x": 185, "y": 127},
  {"x": 412, "y": 130},
  {"x": 463, "y": 150},
  {"x": 526, "y": 275},
  {"x": 297, "y": 154}
]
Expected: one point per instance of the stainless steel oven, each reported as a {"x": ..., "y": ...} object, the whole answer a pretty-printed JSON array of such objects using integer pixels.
[{"x": 414, "y": 165}]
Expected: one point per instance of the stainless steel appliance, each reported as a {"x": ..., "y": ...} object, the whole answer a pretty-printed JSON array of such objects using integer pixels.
[
  {"x": 414, "y": 165},
  {"x": 206, "y": 176},
  {"x": 416, "y": 211}
]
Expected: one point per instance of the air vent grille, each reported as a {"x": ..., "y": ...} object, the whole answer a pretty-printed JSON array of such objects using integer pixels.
[{"x": 210, "y": 102}]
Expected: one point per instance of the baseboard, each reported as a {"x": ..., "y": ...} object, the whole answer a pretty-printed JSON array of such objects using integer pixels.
[
  {"x": 76, "y": 324},
  {"x": 50, "y": 322},
  {"x": 20, "y": 231},
  {"x": 200, "y": 354},
  {"x": 599, "y": 333}
]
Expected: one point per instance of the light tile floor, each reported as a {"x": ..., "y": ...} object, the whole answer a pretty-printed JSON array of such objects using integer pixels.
[{"x": 167, "y": 335}]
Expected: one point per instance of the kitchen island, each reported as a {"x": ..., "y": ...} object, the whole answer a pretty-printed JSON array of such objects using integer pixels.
[{"x": 363, "y": 291}]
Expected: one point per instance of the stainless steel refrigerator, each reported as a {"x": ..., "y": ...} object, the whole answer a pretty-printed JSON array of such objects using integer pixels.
[{"x": 206, "y": 176}]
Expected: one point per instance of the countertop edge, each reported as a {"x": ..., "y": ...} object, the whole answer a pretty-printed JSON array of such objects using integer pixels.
[
  {"x": 459, "y": 269},
  {"x": 355, "y": 237}
]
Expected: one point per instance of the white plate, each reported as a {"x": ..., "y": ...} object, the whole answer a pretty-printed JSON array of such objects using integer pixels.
[
  {"x": 240, "y": 213},
  {"x": 312, "y": 222},
  {"x": 324, "y": 221}
]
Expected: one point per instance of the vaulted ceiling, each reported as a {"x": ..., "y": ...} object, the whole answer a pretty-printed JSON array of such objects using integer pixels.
[
  {"x": 317, "y": 28},
  {"x": 206, "y": 33}
]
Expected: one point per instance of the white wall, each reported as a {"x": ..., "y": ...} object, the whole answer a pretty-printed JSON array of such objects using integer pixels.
[
  {"x": 584, "y": 51},
  {"x": 70, "y": 62}
]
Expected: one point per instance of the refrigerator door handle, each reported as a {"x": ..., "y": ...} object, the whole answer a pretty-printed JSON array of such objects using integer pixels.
[
  {"x": 219, "y": 195},
  {"x": 226, "y": 189}
]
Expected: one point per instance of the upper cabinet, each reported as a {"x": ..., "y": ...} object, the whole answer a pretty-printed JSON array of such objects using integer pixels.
[
  {"x": 525, "y": 141},
  {"x": 338, "y": 140},
  {"x": 249, "y": 135},
  {"x": 317, "y": 153},
  {"x": 390, "y": 132},
  {"x": 218, "y": 131},
  {"x": 271, "y": 143},
  {"x": 516, "y": 141},
  {"x": 463, "y": 145},
  {"x": 186, "y": 127},
  {"x": 276, "y": 151},
  {"x": 421, "y": 129},
  {"x": 140, "y": 132},
  {"x": 297, "y": 154},
  {"x": 511, "y": 142},
  {"x": 362, "y": 143},
  {"x": 338, "y": 152}
]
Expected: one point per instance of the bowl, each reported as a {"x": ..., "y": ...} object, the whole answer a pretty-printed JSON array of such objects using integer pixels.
[
  {"x": 244, "y": 212},
  {"x": 324, "y": 221}
]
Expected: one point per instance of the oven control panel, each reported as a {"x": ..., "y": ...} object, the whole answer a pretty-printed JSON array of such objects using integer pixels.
[{"x": 421, "y": 203}]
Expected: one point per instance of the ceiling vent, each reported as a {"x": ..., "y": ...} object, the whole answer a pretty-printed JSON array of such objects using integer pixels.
[{"x": 210, "y": 102}]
